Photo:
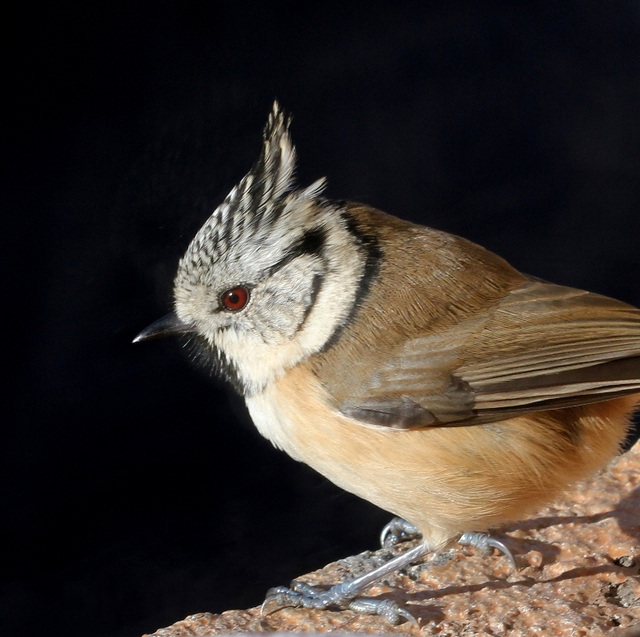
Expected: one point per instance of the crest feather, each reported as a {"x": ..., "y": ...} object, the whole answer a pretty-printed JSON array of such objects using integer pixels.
[
  {"x": 277, "y": 161},
  {"x": 255, "y": 204}
]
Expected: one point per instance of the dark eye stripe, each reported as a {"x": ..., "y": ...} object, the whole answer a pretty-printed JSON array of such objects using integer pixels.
[
  {"x": 311, "y": 242},
  {"x": 370, "y": 247}
]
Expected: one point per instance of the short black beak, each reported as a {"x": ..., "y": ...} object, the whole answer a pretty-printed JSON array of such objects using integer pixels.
[{"x": 168, "y": 325}]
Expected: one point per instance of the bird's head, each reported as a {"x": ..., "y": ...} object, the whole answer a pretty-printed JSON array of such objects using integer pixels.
[{"x": 271, "y": 275}]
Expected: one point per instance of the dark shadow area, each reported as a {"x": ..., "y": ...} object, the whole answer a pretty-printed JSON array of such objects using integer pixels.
[{"x": 134, "y": 489}]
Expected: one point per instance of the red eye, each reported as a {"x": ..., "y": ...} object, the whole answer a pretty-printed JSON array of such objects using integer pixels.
[{"x": 235, "y": 298}]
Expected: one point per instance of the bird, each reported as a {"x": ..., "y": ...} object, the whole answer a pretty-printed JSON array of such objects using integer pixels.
[{"x": 409, "y": 366}]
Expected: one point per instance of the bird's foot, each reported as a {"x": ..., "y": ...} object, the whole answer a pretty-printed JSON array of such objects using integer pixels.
[
  {"x": 398, "y": 530},
  {"x": 304, "y": 595},
  {"x": 485, "y": 543},
  {"x": 347, "y": 594}
]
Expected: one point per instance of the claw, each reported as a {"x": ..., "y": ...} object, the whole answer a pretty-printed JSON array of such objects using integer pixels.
[
  {"x": 485, "y": 542},
  {"x": 396, "y": 531},
  {"x": 300, "y": 594},
  {"x": 277, "y": 598},
  {"x": 273, "y": 601},
  {"x": 386, "y": 608},
  {"x": 271, "y": 605}
]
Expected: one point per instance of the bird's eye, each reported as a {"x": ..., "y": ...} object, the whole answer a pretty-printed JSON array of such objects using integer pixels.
[{"x": 235, "y": 299}]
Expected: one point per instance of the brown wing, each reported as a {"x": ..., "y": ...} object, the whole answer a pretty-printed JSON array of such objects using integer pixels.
[{"x": 543, "y": 346}]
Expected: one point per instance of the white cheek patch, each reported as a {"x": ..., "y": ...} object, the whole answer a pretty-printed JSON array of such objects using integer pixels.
[{"x": 281, "y": 305}]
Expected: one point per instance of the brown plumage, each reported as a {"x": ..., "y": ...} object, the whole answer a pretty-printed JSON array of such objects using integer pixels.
[{"x": 440, "y": 395}]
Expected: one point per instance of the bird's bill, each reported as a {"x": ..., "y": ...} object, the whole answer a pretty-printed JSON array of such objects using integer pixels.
[{"x": 169, "y": 325}]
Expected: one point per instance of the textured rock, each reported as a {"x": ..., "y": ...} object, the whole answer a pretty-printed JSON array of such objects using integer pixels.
[{"x": 579, "y": 565}]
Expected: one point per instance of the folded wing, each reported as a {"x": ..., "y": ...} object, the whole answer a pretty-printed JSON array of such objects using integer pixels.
[{"x": 542, "y": 346}]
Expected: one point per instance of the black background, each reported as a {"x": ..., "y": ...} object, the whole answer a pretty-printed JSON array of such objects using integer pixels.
[{"x": 134, "y": 489}]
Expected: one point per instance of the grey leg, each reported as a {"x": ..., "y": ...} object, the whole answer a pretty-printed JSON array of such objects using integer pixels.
[{"x": 344, "y": 595}]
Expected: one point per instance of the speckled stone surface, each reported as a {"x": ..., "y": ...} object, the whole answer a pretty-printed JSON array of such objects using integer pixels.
[{"x": 579, "y": 566}]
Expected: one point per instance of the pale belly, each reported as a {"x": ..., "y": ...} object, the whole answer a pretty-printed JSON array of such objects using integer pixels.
[{"x": 445, "y": 480}]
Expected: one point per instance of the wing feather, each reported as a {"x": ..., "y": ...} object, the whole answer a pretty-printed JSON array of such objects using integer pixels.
[{"x": 542, "y": 346}]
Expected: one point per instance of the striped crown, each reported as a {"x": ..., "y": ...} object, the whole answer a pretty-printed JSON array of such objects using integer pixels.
[{"x": 255, "y": 207}]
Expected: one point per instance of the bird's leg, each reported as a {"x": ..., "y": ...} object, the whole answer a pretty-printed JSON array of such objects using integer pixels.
[{"x": 344, "y": 595}]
